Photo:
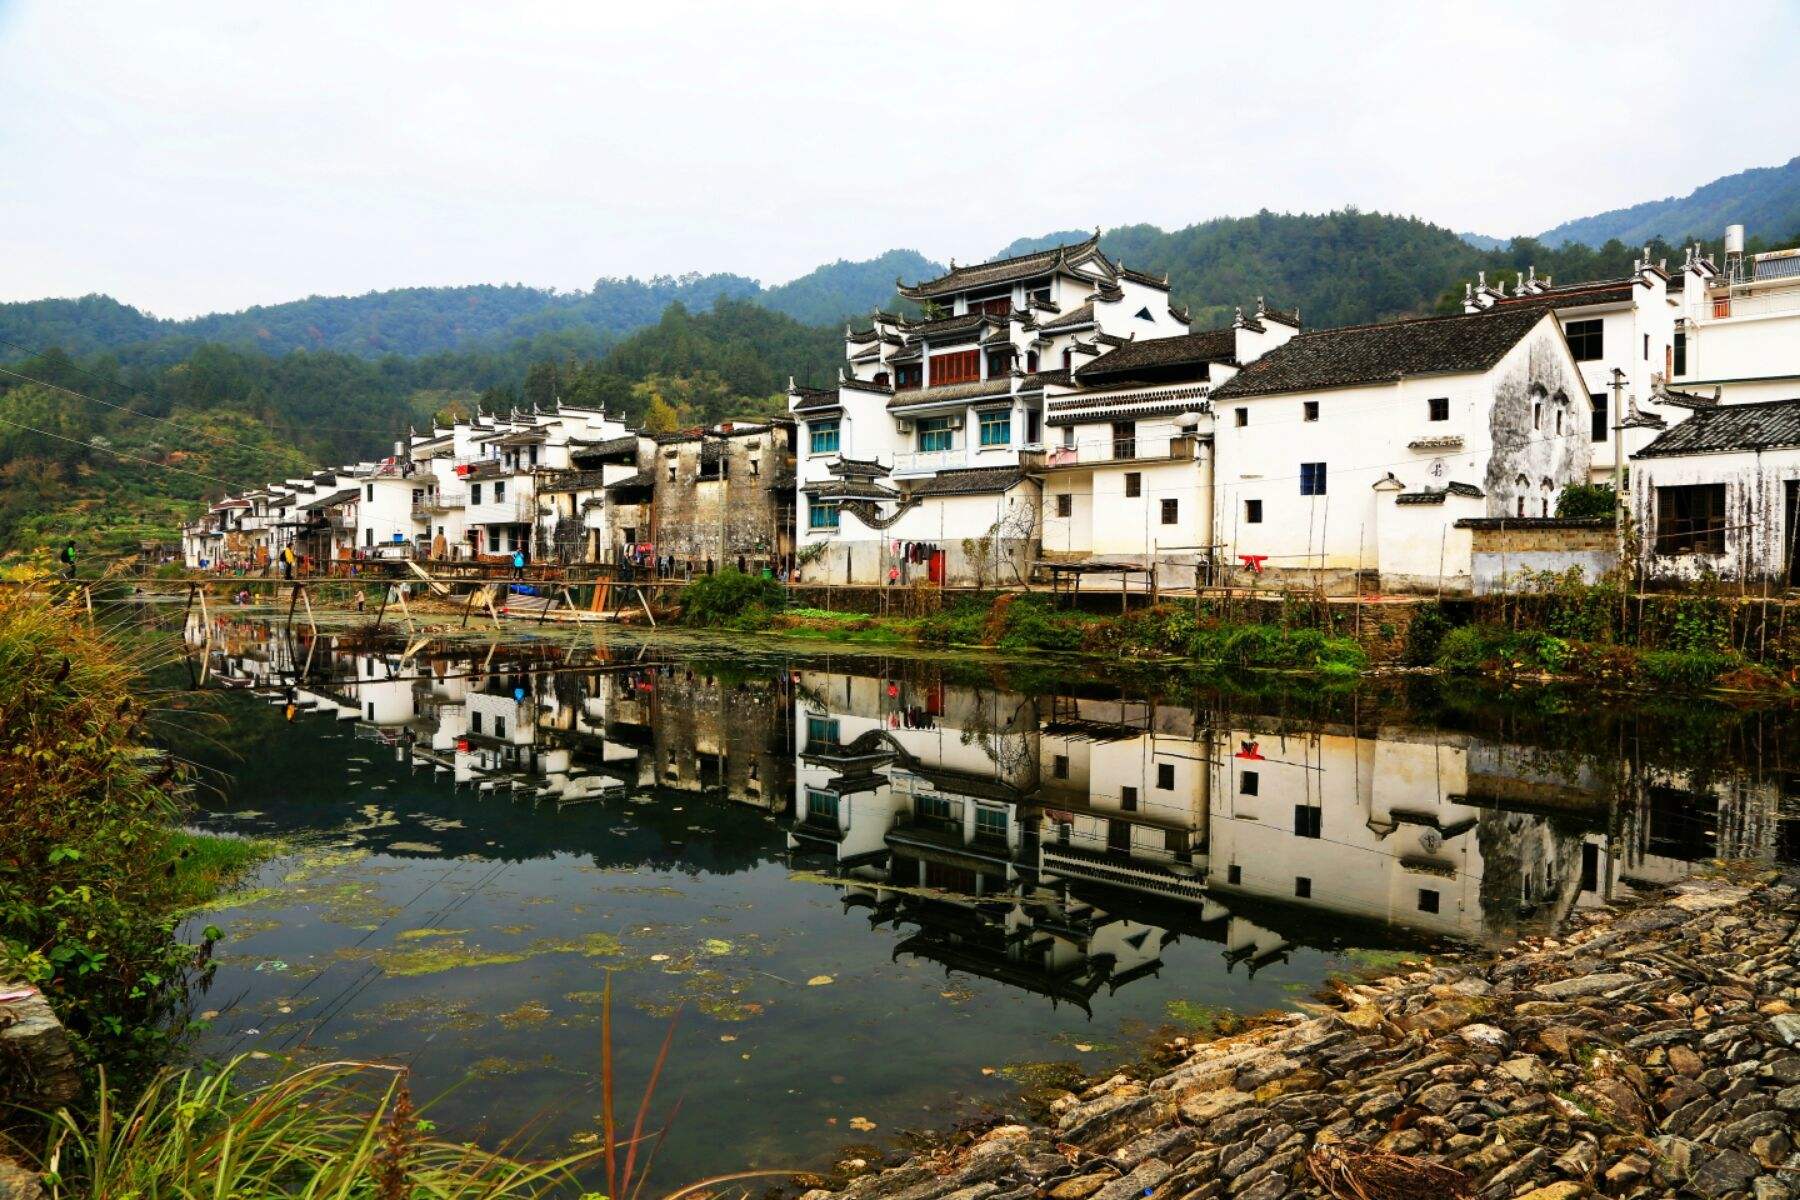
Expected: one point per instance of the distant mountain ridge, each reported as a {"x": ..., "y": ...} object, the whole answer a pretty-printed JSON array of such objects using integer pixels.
[{"x": 1766, "y": 200}]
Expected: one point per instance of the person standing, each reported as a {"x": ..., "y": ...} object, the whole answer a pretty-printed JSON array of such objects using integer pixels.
[
  {"x": 287, "y": 562},
  {"x": 67, "y": 558},
  {"x": 518, "y": 564}
]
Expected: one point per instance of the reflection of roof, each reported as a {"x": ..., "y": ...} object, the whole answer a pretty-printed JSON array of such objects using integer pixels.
[{"x": 1359, "y": 354}]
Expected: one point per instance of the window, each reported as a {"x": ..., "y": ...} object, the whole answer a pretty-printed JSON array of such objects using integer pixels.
[
  {"x": 1312, "y": 479},
  {"x": 1308, "y": 819},
  {"x": 1068, "y": 358},
  {"x": 1171, "y": 512},
  {"x": 1438, "y": 408},
  {"x": 1175, "y": 841},
  {"x": 1143, "y": 314},
  {"x": 1031, "y": 362},
  {"x": 1068, "y": 435},
  {"x": 908, "y": 375},
  {"x": 1559, "y": 417},
  {"x": 938, "y": 810},
  {"x": 958, "y": 366},
  {"x": 1309, "y": 410},
  {"x": 1428, "y": 900},
  {"x": 1034, "y": 426},
  {"x": 1680, "y": 354},
  {"x": 1118, "y": 836},
  {"x": 1302, "y": 887},
  {"x": 1134, "y": 484},
  {"x": 533, "y": 455},
  {"x": 1646, "y": 347},
  {"x": 370, "y": 490},
  {"x": 1586, "y": 338},
  {"x": 1253, "y": 512},
  {"x": 1599, "y": 401},
  {"x": 824, "y": 437},
  {"x": 368, "y": 537},
  {"x": 1128, "y": 798},
  {"x": 499, "y": 490},
  {"x": 1059, "y": 767},
  {"x": 1165, "y": 777},
  {"x": 1065, "y": 504},
  {"x": 996, "y": 427},
  {"x": 1234, "y": 874},
  {"x": 474, "y": 493},
  {"x": 821, "y": 731},
  {"x": 1249, "y": 782},
  {"x": 1721, "y": 307},
  {"x": 820, "y": 515},
  {"x": 1537, "y": 415},
  {"x": 755, "y": 467},
  {"x": 1124, "y": 439},
  {"x": 997, "y": 306},
  {"x": 821, "y": 806},
  {"x": 990, "y": 823},
  {"x": 935, "y": 434},
  {"x": 1691, "y": 519},
  {"x": 1242, "y": 416},
  {"x": 671, "y": 472},
  {"x": 999, "y": 362}
]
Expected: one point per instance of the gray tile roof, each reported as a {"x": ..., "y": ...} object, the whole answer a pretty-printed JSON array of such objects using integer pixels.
[
  {"x": 1157, "y": 356},
  {"x": 978, "y": 389},
  {"x": 968, "y": 481},
  {"x": 1004, "y": 270},
  {"x": 1360, "y": 354},
  {"x": 1770, "y": 425},
  {"x": 1439, "y": 495}
]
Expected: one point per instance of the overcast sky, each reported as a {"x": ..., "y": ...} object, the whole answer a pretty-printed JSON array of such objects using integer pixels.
[{"x": 195, "y": 156}]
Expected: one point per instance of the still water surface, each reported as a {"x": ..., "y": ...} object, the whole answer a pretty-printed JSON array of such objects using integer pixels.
[{"x": 880, "y": 892}]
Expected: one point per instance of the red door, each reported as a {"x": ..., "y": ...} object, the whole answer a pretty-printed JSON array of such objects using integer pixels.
[{"x": 937, "y": 567}]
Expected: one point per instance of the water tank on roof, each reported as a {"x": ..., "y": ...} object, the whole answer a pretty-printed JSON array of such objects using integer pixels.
[{"x": 1734, "y": 239}]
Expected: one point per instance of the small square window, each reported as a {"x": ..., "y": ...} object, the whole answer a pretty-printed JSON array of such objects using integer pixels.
[
  {"x": 1248, "y": 783},
  {"x": 1059, "y": 766},
  {"x": 1171, "y": 512},
  {"x": 1128, "y": 797},
  {"x": 1440, "y": 408},
  {"x": 1253, "y": 512},
  {"x": 1309, "y": 410},
  {"x": 1134, "y": 484},
  {"x": 1165, "y": 777},
  {"x": 1302, "y": 887},
  {"x": 1242, "y": 416},
  {"x": 1428, "y": 900},
  {"x": 1234, "y": 874},
  {"x": 1065, "y": 504}
]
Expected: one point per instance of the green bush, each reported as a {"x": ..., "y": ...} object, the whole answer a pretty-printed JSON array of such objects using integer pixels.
[
  {"x": 1587, "y": 500},
  {"x": 728, "y": 597},
  {"x": 1271, "y": 647},
  {"x": 1468, "y": 649},
  {"x": 1689, "y": 670},
  {"x": 1423, "y": 636}
]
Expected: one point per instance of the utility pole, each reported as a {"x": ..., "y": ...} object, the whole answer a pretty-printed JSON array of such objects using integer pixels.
[{"x": 1618, "y": 427}]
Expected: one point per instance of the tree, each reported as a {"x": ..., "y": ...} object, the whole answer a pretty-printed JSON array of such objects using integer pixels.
[{"x": 659, "y": 416}]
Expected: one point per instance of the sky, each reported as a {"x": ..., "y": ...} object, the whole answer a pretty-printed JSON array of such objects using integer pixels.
[{"x": 197, "y": 156}]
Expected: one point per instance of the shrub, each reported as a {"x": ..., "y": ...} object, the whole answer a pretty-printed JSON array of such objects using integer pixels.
[
  {"x": 1586, "y": 500},
  {"x": 1689, "y": 670},
  {"x": 1468, "y": 649},
  {"x": 729, "y": 596},
  {"x": 1423, "y": 636}
]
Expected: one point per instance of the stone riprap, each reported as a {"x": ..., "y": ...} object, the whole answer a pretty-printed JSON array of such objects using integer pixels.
[{"x": 1651, "y": 1051}]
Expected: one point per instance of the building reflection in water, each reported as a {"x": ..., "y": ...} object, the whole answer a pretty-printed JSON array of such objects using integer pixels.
[{"x": 1057, "y": 843}]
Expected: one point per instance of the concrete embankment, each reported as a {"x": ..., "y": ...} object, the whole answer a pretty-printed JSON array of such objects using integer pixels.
[{"x": 1652, "y": 1051}]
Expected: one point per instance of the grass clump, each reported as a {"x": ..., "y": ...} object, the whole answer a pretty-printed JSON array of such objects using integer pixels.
[
  {"x": 93, "y": 871},
  {"x": 730, "y": 599}
]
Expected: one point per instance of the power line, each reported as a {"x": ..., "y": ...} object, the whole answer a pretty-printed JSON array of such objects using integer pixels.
[
  {"x": 192, "y": 432},
  {"x": 117, "y": 453}
]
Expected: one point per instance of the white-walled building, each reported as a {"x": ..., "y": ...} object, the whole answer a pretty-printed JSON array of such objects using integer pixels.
[
  {"x": 1343, "y": 457},
  {"x": 1737, "y": 334}
]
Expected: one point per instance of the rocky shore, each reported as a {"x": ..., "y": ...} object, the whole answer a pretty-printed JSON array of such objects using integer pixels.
[{"x": 1650, "y": 1051}]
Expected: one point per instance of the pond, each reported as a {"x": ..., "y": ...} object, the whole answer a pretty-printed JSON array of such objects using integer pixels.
[{"x": 878, "y": 893}]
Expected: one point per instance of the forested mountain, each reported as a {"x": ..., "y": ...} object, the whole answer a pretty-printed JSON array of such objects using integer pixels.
[
  {"x": 1766, "y": 200},
  {"x": 420, "y": 321}
]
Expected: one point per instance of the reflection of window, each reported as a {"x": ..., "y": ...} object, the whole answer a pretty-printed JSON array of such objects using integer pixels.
[
  {"x": 1118, "y": 836},
  {"x": 1586, "y": 338},
  {"x": 821, "y": 731},
  {"x": 499, "y": 726},
  {"x": 1059, "y": 767},
  {"x": 996, "y": 427},
  {"x": 1234, "y": 874},
  {"x": 990, "y": 822},
  {"x": 1065, "y": 504},
  {"x": 820, "y": 515},
  {"x": 1165, "y": 777},
  {"x": 1691, "y": 519},
  {"x": 824, "y": 436},
  {"x": 1128, "y": 797},
  {"x": 1307, "y": 820},
  {"x": 1248, "y": 783},
  {"x": 936, "y": 808},
  {"x": 474, "y": 493},
  {"x": 1428, "y": 900},
  {"x": 499, "y": 490},
  {"x": 821, "y": 806},
  {"x": 474, "y": 722},
  {"x": 935, "y": 434},
  {"x": 1175, "y": 841},
  {"x": 1302, "y": 886}
]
